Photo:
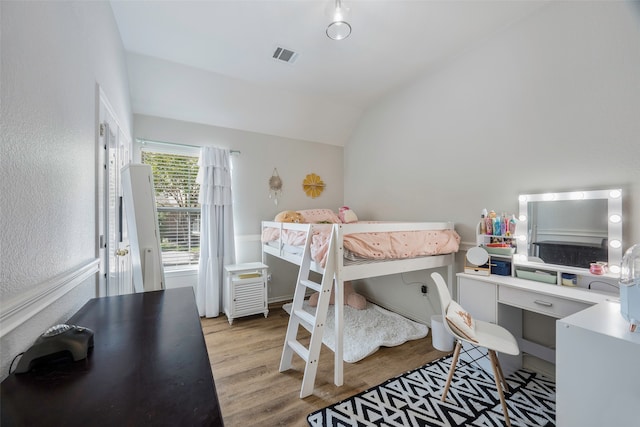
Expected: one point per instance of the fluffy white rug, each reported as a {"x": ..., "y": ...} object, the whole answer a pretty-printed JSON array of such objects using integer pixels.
[{"x": 365, "y": 331}]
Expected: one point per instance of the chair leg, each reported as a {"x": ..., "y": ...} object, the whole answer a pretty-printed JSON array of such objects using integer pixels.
[
  {"x": 503, "y": 380},
  {"x": 454, "y": 362},
  {"x": 497, "y": 373}
]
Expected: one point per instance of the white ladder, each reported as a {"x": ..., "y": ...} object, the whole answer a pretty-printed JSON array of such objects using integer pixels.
[{"x": 314, "y": 324}]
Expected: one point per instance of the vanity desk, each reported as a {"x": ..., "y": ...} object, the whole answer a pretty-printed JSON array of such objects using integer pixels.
[
  {"x": 569, "y": 328},
  {"x": 598, "y": 376},
  {"x": 558, "y": 235},
  {"x": 504, "y": 300}
]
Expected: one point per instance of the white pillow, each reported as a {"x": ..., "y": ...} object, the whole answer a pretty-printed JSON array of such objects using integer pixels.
[
  {"x": 349, "y": 217},
  {"x": 461, "y": 322}
]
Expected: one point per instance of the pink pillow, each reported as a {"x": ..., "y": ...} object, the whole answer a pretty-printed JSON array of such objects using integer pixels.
[
  {"x": 315, "y": 216},
  {"x": 346, "y": 215}
]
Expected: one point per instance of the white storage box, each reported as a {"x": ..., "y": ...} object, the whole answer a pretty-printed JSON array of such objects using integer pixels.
[{"x": 440, "y": 338}]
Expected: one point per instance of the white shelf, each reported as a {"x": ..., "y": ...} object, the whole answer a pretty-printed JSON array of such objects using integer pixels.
[
  {"x": 583, "y": 276},
  {"x": 561, "y": 269},
  {"x": 483, "y": 239}
]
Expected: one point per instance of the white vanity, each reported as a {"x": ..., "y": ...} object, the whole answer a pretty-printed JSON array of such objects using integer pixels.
[
  {"x": 598, "y": 375},
  {"x": 504, "y": 300},
  {"x": 576, "y": 327}
]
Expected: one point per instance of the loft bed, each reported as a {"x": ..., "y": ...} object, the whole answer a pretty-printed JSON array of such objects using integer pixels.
[
  {"x": 286, "y": 241},
  {"x": 342, "y": 252}
]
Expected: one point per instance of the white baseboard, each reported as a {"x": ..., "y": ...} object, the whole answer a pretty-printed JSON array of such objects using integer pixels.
[
  {"x": 18, "y": 310},
  {"x": 286, "y": 298}
]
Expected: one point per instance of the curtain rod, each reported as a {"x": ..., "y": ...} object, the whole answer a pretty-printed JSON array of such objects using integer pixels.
[{"x": 144, "y": 141}]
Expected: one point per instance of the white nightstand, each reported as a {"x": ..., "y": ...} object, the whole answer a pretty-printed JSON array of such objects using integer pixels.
[{"x": 245, "y": 290}]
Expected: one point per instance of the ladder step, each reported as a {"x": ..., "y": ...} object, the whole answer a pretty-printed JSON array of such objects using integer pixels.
[
  {"x": 306, "y": 317},
  {"x": 309, "y": 321},
  {"x": 301, "y": 350},
  {"x": 311, "y": 284}
]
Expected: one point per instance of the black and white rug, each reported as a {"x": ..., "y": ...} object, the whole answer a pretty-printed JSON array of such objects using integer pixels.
[{"x": 413, "y": 399}]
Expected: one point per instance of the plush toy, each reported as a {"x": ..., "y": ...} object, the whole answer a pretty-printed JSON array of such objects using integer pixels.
[
  {"x": 351, "y": 298},
  {"x": 346, "y": 215},
  {"x": 289, "y": 216}
]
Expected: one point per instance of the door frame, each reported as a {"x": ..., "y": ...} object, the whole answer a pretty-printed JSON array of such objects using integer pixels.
[{"x": 107, "y": 123}]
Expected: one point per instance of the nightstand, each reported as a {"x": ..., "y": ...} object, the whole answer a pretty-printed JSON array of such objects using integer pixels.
[{"x": 245, "y": 290}]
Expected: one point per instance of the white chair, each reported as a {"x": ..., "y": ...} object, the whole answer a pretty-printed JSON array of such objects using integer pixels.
[{"x": 488, "y": 335}]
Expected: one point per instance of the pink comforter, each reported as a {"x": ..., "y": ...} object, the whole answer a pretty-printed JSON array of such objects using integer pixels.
[{"x": 378, "y": 246}]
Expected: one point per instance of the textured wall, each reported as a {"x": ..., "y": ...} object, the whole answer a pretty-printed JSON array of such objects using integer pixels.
[{"x": 53, "y": 55}]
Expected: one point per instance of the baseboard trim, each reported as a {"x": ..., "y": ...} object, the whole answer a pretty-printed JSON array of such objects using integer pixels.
[{"x": 20, "y": 309}]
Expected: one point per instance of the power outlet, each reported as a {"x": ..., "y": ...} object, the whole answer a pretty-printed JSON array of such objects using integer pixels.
[{"x": 269, "y": 277}]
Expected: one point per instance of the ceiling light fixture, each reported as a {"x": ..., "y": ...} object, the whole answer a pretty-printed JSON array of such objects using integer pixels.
[{"x": 339, "y": 28}]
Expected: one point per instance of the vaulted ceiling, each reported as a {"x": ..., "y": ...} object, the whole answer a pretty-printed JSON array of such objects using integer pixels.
[{"x": 212, "y": 61}]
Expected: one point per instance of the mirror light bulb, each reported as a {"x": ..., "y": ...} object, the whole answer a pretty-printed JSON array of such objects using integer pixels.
[
  {"x": 615, "y": 218},
  {"x": 615, "y": 243},
  {"x": 614, "y": 194}
]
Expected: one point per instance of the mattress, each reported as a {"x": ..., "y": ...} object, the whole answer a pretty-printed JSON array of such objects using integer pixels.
[{"x": 371, "y": 245}]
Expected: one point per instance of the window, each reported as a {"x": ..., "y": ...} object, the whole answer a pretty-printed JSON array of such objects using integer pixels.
[{"x": 174, "y": 179}]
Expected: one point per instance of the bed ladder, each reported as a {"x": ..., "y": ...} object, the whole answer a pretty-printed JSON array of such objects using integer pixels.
[{"x": 299, "y": 317}]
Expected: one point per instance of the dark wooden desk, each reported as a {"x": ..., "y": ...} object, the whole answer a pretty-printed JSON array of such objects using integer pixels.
[{"x": 149, "y": 366}]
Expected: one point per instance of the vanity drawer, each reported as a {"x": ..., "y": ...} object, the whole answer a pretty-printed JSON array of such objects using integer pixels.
[{"x": 540, "y": 303}]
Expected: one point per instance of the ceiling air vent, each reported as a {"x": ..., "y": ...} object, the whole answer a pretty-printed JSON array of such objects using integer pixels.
[{"x": 285, "y": 55}]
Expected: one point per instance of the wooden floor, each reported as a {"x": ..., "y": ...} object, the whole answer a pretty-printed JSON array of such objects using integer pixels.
[{"x": 246, "y": 355}]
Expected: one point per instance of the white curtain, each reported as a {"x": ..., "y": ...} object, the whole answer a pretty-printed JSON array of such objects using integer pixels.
[{"x": 217, "y": 246}]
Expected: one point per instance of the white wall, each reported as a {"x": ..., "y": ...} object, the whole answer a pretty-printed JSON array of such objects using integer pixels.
[
  {"x": 260, "y": 154},
  {"x": 197, "y": 95},
  {"x": 550, "y": 104},
  {"x": 53, "y": 55}
]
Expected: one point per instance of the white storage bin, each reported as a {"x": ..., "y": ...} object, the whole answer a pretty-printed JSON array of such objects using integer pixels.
[{"x": 440, "y": 338}]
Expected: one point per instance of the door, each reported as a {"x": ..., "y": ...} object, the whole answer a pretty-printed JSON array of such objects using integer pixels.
[
  {"x": 114, "y": 152},
  {"x": 123, "y": 252}
]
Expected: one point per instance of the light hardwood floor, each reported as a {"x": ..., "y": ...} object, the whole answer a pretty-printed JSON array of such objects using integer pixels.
[{"x": 245, "y": 358}]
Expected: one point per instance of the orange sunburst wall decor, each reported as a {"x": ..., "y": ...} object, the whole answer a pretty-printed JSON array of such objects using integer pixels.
[{"x": 312, "y": 185}]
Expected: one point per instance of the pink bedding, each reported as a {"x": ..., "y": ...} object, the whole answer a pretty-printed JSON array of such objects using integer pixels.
[{"x": 378, "y": 246}]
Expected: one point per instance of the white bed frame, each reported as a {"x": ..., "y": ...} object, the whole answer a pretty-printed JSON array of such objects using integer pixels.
[
  {"x": 353, "y": 270},
  {"x": 345, "y": 270}
]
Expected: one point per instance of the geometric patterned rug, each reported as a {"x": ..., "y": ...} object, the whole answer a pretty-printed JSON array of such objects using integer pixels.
[{"x": 413, "y": 399}]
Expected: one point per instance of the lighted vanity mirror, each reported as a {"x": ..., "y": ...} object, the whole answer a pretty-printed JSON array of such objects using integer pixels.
[{"x": 572, "y": 228}]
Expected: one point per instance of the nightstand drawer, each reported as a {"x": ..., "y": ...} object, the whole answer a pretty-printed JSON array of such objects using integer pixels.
[
  {"x": 540, "y": 303},
  {"x": 239, "y": 280}
]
